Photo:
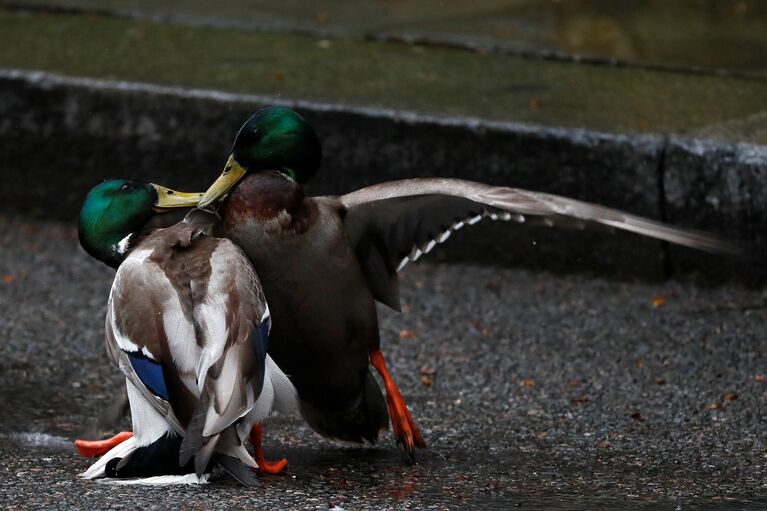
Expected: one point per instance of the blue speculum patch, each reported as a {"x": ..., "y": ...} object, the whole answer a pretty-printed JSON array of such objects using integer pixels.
[
  {"x": 262, "y": 332},
  {"x": 149, "y": 372}
]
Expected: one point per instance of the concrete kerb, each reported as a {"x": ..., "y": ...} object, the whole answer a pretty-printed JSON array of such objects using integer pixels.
[{"x": 72, "y": 132}]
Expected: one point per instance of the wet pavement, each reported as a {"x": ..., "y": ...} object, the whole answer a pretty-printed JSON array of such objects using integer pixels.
[
  {"x": 373, "y": 70},
  {"x": 706, "y": 34},
  {"x": 533, "y": 391}
]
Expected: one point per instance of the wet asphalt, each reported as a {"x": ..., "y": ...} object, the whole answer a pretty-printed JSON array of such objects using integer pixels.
[{"x": 533, "y": 391}]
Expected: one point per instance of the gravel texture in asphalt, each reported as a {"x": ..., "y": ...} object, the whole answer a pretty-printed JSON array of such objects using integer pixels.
[{"x": 532, "y": 390}]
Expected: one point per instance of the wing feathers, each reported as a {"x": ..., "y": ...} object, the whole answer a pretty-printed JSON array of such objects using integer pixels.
[
  {"x": 391, "y": 224},
  {"x": 192, "y": 311}
]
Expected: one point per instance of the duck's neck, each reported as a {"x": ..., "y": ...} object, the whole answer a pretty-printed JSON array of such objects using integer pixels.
[
  {"x": 264, "y": 195},
  {"x": 109, "y": 245}
]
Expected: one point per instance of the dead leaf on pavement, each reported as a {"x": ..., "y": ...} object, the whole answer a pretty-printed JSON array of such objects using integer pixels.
[
  {"x": 407, "y": 334},
  {"x": 428, "y": 371}
]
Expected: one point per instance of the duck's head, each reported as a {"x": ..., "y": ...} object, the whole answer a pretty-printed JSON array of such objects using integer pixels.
[
  {"x": 274, "y": 138},
  {"x": 116, "y": 209}
]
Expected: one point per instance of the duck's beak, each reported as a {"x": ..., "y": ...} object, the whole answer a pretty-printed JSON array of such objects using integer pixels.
[
  {"x": 232, "y": 173},
  {"x": 168, "y": 199}
]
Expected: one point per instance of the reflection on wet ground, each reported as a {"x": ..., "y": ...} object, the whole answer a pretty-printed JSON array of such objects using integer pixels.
[{"x": 349, "y": 478}]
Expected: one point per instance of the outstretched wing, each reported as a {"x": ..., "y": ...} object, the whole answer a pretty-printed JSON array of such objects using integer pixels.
[{"x": 391, "y": 224}]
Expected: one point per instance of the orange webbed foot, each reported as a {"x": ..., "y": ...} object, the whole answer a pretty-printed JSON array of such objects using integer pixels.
[
  {"x": 405, "y": 430},
  {"x": 264, "y": 467},
  {"x": 93, "y": 448}
]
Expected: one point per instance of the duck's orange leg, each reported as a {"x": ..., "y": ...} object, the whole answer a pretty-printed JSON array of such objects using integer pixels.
[
  {"x": 405, "y": 430},
  {"x": 266, "y": 467},
  {"x": 93, "y": 448}
]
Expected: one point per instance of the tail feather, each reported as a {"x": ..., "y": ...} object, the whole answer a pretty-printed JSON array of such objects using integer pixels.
[
  {"x": 285, "y": 394},
  {"x": 237, "y": 469},
  {"x": 121, "y": 450},
  {"x": 203, "y": 455},
  {"x": 156, "y": 459},
  {"x": 193, "y": 439}
]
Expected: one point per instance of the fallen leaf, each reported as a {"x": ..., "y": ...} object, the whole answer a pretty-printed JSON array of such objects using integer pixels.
[
  {"x": 603, "y": 445},
  {"x": 427, "y": 381},
  {"x": 528, "y": 383},
  {"x": 402, "y": 492},
  {"x": 8, "y": 278},
  {"x": 322, "y": 17},
  {"x": 278, "y": 76},
  {"x": 713, "y": 406},
  {"x": 428, "y": 371},
  {"x": 579, "y": 400},
  {"x": 407, "y": 334},
  {"x": 658, "y": 301},
  {"x": 485, "y": 332},
  {"x": 535, "y": 103},
  {"x": 760, "y": 378},
  {"x": 575, "y": 384},
  {"x": 495, "y": 486},
  {"x": 406, "y": 308},
  {"x": 730, "y": 396},
  {"x": 660, "y": 381},
  {"x": 474, "y": 323}
]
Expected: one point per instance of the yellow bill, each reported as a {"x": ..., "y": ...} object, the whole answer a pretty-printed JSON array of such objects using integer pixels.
[
  {"x": 168, "y": 199},
  {"x": 232, "y": 173}
]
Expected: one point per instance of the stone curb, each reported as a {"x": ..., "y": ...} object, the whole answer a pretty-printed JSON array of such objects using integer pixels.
[{"x": 60, "y": 135}]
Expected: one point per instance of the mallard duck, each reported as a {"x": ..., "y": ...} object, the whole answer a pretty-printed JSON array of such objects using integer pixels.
[
  {"x": 324, "y": 261},
  {"x": 188, "y": 326}
]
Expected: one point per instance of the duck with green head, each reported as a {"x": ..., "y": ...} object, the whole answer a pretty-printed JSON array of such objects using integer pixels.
[
  {"x": 188, "y": 325},
  {"x": 324, "y": 261},
  {"x": 116, "y": 211}
]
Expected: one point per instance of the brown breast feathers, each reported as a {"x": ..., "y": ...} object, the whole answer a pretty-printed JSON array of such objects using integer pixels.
[{"x": 267, "y": 196}]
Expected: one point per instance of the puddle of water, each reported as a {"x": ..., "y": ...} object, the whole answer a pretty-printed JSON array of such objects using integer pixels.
[{"x": 40, "y": 440}]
